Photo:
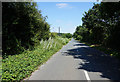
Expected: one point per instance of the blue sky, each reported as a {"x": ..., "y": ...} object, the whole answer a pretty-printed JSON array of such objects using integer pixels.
[{"x": 66, "y": 15}]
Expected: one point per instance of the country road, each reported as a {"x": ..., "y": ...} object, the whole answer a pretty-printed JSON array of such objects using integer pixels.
[{"x": 76, "y": 61}]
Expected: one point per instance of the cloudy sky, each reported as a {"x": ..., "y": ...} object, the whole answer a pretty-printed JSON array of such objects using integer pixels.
[{"x": 66, "y": 15}]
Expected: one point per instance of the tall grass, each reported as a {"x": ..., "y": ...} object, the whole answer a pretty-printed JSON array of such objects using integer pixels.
[{"x": 20, "y": 66}]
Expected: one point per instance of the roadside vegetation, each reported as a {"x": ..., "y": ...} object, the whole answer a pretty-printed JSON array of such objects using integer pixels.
[
  {"x": 65, "y": 35},
  {"x": 0, "y": 67},
  {"x": 20, "y": 66},
  {"x": 27, "y": 40},
  {"x": 101, "y": 28}
]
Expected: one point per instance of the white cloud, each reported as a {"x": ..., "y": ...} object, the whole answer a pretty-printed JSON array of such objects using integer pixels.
[{"x": 61, "y": 5}]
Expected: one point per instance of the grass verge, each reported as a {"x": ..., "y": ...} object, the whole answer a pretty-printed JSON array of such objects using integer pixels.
[
  {"x": 18, "y": 67},
  {"x": 106, "y": 50},
  {"x": 0, "y": 66}
]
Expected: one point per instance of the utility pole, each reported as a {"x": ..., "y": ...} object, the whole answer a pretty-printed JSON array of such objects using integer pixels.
[{"x": 59, "y": 31}]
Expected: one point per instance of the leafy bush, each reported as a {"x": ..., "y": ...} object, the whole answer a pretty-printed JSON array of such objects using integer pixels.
[
  {"x": 53, "y": 34},
  {"x": 80, "y": 33},
  {"x": 79, "y": 37},
  {"x": 17, "y": 67},
  {"x": 65, "y": 35}
]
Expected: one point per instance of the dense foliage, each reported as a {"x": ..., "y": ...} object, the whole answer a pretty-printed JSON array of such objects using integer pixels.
[
  {"x": 23, "y": 26},
  {"x": 17, "y": 67},
  {"x": 65, "y": 35},
  {"x": 101, "y": 25}
]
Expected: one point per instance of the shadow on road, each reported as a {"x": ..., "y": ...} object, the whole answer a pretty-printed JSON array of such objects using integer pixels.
[{"x": 96, "y": 61}]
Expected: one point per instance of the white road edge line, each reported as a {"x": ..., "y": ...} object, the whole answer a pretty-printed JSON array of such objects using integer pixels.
[{"x": 86, "y": 75}]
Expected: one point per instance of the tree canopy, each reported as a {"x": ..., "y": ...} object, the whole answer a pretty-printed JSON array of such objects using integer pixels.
[
  {"x": 101, "y": 25},
  {"x": 23, "y": 26}
]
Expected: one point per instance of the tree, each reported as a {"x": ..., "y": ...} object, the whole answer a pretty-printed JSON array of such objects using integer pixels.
[
  {"x": 23, "y": 26},
  {"x": 102, "y": 22}
]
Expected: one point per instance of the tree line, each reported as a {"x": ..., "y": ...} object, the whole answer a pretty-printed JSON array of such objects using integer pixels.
[
  {"x": 101, "y": 25},
  {"x": 23, "y": 25}
]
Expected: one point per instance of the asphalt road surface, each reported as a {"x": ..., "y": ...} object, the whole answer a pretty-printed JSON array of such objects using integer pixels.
[{"x": 76, "y": 61}]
